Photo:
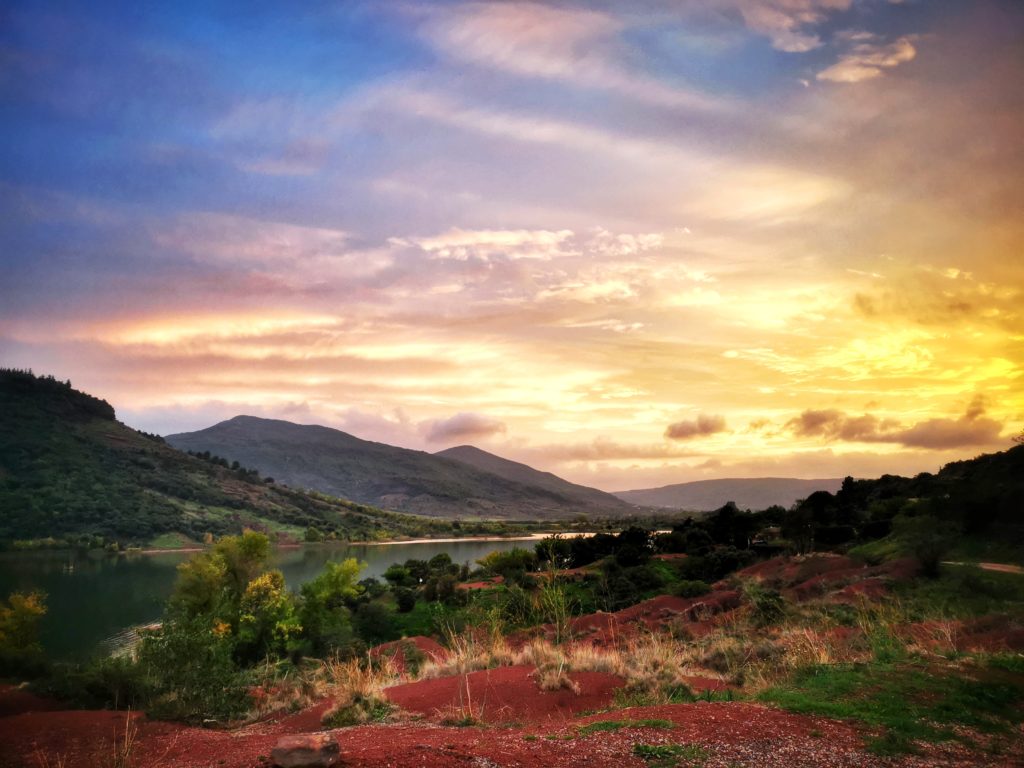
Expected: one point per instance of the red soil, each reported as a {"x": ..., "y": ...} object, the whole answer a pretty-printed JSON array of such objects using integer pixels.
[
  {"x": 671, "y": 556},
  {"x": 485, "y": 584},
  {"x": 987, "y": 634},
  {"x": 395, "y": 651},
  {"x": 15, "y": 700},
  {"x": 504, "y": 694},
  {"x": 806, "y": 578},
  {"x": 655, "y": 614},
  {"x": 872, "y": 588},
  {"x": 790, "y": 571},
  {"x": 735, "y": 733}
]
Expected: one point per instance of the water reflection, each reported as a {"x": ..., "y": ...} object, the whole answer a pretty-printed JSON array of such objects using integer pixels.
[{"x": 93, "y": 595}]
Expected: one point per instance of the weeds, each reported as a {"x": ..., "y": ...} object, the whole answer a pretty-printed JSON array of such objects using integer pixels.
[
  {"x": 358, "y": 689},
  {"x": 671, "y": 755},
  {"x": 617, "y": 725}
]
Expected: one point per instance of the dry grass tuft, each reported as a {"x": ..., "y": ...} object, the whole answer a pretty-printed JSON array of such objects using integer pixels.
[{"x": 358, "y": 690}]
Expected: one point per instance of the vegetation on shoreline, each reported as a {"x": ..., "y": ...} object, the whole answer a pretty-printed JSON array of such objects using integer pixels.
[{"x": 73, "y": 476}]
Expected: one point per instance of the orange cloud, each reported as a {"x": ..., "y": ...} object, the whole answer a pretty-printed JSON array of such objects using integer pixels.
[{"x": 702, "y": 426}]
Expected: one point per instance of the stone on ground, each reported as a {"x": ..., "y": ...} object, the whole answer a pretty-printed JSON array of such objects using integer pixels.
[{"x": 306, "y": 750}]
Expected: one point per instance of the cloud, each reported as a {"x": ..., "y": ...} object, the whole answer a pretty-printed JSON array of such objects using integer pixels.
[
  {"x": 868, "y": 59},
  {"x": 486, "y": 245},
  {"x": 786, "y": 22},
  {"x": 463, "y": 426},
  {"x": 576, "y": 46},
  {"x": 601, "y": 449},
  {"x": 702, "y": 426},
  {"x": 971, "y": 429}
]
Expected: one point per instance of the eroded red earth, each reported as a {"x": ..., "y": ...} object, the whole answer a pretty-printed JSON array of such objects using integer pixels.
[{"x": 524, "y": 726}]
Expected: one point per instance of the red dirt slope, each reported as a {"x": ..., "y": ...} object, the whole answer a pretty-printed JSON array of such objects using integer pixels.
[
  {"x": 504, "y": 694},
  {"x": 736, "y": 733},
  {"x": 395, "y": 651}
]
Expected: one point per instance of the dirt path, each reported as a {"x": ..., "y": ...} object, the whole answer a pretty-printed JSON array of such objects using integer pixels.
[{"x": 998, "y": 567}]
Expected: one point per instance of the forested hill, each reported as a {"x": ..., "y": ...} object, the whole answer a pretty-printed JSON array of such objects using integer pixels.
[
  {"x": 68, "y": 469},
  {"x": 328, "y": 460}
]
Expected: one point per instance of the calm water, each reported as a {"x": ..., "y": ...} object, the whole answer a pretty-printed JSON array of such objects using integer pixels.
[{"x": 93, "y": 595}]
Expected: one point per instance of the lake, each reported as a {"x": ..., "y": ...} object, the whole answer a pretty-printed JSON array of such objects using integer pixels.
[{"x": 93, "y": 595}]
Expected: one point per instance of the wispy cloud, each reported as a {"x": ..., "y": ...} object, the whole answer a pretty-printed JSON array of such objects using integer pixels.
[
  {"x": 868, "y": 58},
  {"x": 789, "y": 23},
  {"x": 572, "y": 45},
  {"x": 463, "y": 426}
]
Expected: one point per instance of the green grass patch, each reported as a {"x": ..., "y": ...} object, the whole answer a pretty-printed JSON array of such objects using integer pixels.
[
  {"x": 1008, "y": 662},
  {"x": 615, "y": 725},
  {"x": 671, "y": 755},
  {"x": 418, "y": 621},
  {"x": 909, "y": 701},
  {"x": 964, "y": 591},
  {"x": 171, "y": 541}
]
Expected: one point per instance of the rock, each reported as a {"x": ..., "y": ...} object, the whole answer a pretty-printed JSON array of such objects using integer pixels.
[{"x": 306, "y": 750}]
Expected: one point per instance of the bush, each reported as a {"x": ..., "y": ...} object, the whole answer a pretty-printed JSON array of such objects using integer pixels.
[
  {"x": 20, "y": 651},
  {"x": 374, "y": 623},
  {"x": 691, "y": 588},
  {"x": 769, "y": 607},
  {"x": 405, "y": 598},
  {"x": 193, "y": 672}
]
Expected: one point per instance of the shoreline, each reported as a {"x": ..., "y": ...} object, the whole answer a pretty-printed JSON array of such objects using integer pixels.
[
  {"x": 538, "y": 536},
  {"x": 390, "y": 542}
]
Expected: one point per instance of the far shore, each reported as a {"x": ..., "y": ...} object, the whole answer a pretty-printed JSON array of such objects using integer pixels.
[{"x": 389, "y": 542}]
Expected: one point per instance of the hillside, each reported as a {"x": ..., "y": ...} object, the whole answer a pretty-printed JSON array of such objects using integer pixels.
[
  {"x": 68, "y": 468},
  {"x": 334, "y": 462},
  {"x": 527, "y": 475},
  {"x": 747, "y": 493}
]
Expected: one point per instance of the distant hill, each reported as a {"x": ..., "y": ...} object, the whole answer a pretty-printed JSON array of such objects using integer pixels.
[
  {"x": 748, "y": 493},
  {"x": 68, "y": 468},
  {"x": 527, "y": 475},
  {"x": 331, "y": 461}
]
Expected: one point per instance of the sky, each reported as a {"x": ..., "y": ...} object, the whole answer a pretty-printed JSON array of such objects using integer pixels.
[{"x": 629, "y": 243}]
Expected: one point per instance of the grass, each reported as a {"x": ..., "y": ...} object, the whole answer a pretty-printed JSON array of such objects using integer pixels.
[
  {"x": 671, "y": 755},
  {"x": 617, "y": 725},
  {"x": 909, "y": 701},
  {"x": 358, "y": 689},
  {"x": 963, "y": 591}
]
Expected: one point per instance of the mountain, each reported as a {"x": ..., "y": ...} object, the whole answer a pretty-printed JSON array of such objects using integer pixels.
[
  {"x": 748, "y": 493},
  {"x": 69, "y": 469},
  {"x": 527, "y": 475},
  {"x": 331, "y": 461}
]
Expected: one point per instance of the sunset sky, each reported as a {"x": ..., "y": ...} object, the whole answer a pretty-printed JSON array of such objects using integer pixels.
[{"x": 631, "y": 243}]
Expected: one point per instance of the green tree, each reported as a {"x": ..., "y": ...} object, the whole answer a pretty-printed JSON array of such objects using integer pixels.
[
  {"x": 267, "y": 624},
  {"x": 20, "y": 616},
  {"x": 325, "y": 614}
]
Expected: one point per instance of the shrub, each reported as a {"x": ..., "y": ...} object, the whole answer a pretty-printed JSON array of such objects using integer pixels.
[
  {"x": 405, "y": 599},
  {"x": 20, "y": 615},
  {"x": 194, "y": 675},
  {"x": 374, "y": 623},
  {"x": 769, "y": 607},
  {"x": 691, "y": 588}
]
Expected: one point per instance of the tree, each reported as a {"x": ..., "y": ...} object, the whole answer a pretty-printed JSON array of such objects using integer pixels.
[
  {"x": 20, "y": 616},
  {"x": 509, "y": 564},
  {"x": 267, "y": 624},
  {"x": 325, "y": 613},
  {"x": 928, "y": 538}
]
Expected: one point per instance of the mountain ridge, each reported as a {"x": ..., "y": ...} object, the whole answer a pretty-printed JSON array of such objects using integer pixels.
[
  {"x": 523, "y": 473},
  {"x": 69, "y": 469},
  {"x": 748, "y": 493},
  {"x": 331, "y": 461}
]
